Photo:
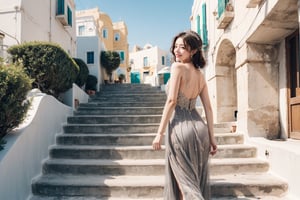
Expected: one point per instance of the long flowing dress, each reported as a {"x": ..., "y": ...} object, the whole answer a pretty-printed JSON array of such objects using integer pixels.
[{"x": 187, "y": 153}]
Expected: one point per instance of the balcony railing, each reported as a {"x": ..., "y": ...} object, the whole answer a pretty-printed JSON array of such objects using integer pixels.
[
  {"x": 226, "y": 17},
  {"x": 253, "y": 3}
]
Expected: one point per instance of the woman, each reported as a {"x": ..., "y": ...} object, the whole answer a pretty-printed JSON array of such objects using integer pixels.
[{"x": 189, "y": 140}]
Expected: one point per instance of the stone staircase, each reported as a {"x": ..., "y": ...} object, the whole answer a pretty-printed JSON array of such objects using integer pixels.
[{"x": 105, "y": 152}]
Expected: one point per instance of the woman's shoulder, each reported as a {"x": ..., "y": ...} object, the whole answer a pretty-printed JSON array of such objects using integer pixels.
[{"x": 177, "y": 66}]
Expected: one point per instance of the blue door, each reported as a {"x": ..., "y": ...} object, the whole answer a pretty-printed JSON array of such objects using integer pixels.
[
  {"x": 135, "y": 77},
  {"x": 166, "y": 77}
]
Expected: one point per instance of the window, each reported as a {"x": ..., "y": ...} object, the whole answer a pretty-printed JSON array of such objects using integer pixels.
[
  {"x": 163, "y": 60},
  {"x": 69, "y": 16},
  {"x": 145, "y": 61},
  {"x": 60, "y": 10},
  {"x": 81, "y": 29},
  {"x": 201, "y": 26},
  {"x": 104, "y": 33},
  {"x": 221, "y": 6},
  {"x": 90, "y": 57},
  {"x": 204, "y": 26},
  {"x": 198, "y": 24},
  {"x": 117, "y": 36},
  {"x": 122, "y": 56}
]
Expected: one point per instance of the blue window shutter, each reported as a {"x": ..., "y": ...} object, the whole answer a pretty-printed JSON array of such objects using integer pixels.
[
  {"x": 104, "y": 33},
  {"x": 163, "y": 60},
  {"x": 198, "y": 24},
  {"x": 69, "y": 16},
  {"x": 122, "y": 57},
  {"x": 221, "y": 7},
  {"x": 90, "y": 57},
  {"x": 60, "y": 7},
  {"x": 204, "y": 25}
]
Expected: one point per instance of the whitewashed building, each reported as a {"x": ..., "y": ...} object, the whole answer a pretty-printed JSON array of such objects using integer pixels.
[
  {"x": 29, "y": 20},
  {"x": 89, "y": 45},
  {"x": 146, "y": 62},
  {"x": 252, "y": 53}
]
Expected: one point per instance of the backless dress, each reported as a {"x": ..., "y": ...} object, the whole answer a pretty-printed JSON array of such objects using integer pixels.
[{"x": 187, "y": 153}]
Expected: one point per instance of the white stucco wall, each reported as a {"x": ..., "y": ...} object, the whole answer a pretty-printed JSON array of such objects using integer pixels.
[
  {"x": 30, "y": 20},
  {"x": 283, "y": 98},
  {"x": 91, "y": 43},
  {"x": 27, "y": 146},
  {"x": 284, "y": 160},
  {"x": 75, "y": 93},
  {"x": 154, "y": 56},
  {"x": 10, "y": 21}
]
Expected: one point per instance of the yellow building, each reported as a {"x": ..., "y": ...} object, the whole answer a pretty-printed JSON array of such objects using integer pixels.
[{"x": 114, "y": 38}]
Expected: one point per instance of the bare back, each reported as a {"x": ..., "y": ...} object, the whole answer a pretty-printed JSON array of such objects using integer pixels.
[{"x": 192, "y": 81}]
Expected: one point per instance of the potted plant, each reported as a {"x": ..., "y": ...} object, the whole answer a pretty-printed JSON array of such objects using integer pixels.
[
  {"x": 91, "y": 83},
  {"x": 110, "y": 61},
  {"x": 121, "y": 78}
]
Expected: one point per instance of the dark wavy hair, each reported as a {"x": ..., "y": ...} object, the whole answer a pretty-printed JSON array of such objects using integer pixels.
[{"x": 192, "y": 41}]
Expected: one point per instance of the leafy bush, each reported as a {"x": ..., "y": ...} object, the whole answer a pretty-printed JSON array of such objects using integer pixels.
[
  {"x": 91, "y": 83},
  {"x": 2, "y": 143},
  {"x": 52, "y": 69},
  {"x": 14, "y": 85},
  {"x": 83, "y": 72},
  {"x": 110, "y": 60}
]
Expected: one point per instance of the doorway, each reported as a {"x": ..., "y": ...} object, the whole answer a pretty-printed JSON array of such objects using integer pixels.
[{"x": 293, "y": 68}]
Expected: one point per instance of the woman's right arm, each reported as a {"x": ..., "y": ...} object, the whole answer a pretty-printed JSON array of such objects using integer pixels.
[{"x": 209, "y": 118}]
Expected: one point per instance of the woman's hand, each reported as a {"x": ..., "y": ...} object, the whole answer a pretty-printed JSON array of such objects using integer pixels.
[
  {"x": 213, "y": 147},
  {"x": 156, "y": 144}
]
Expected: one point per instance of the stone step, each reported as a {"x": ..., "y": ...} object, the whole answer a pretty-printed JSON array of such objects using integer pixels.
[
  {"x": 126, "y": 139},
  {"x": 229, "y": 138},
  {"x": 99, "y": 186},
  {"x": 141, "y": 91},
  {"x": 248, "y": 184},
  {"x": 116, "y": 99},
  {"x": 113, "y": 119},
  {"x": 91, "y": 198},
  {"x": 98, "y": 110},
  {"x": 158, "y": 198},
  {"x": 110, "y": 128},
  {"x": 127, "y": 86},
  {"x": 124, "y": 104},
  {"x": 146, "y": 166},
  {"x": 221, "y": 166},
  {"x": 138, "y": 152},
  {"x": 129, "y": 89},
  {"x": 139, "y": 187},
  {"x": 121, "y": 128},
  {"x": 128, "y": 97}
]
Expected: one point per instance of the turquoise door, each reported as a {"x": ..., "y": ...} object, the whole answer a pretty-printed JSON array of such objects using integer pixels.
[
  {"x": 135, "y": 77},
  {"x": 166, "y": 77}
]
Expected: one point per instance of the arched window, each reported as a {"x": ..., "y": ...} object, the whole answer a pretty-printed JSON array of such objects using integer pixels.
[{"x": 117, "y": 36}]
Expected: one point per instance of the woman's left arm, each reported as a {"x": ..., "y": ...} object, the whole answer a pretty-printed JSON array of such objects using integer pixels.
[{"x": 170, "y": 104}]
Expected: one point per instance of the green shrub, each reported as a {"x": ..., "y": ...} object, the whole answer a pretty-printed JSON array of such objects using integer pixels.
[
  {"x": 91, "y": 83},
  {"x": 2, "y": 143},
  {"x": 110, "y": 61},
  {"x": 14, "y": 85},
  {"x": 83, "y": 72},
  {"x": 51, "y": 68}
]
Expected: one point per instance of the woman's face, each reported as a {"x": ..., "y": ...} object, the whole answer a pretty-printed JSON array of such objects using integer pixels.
[{"x": 181, "y": 51}]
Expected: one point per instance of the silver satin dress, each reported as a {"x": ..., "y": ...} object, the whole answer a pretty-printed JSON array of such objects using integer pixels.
[{"x": 187, "y": 153}]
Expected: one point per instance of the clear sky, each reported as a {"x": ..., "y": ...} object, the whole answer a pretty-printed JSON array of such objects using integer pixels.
[{"x": 148, "y": 21}]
